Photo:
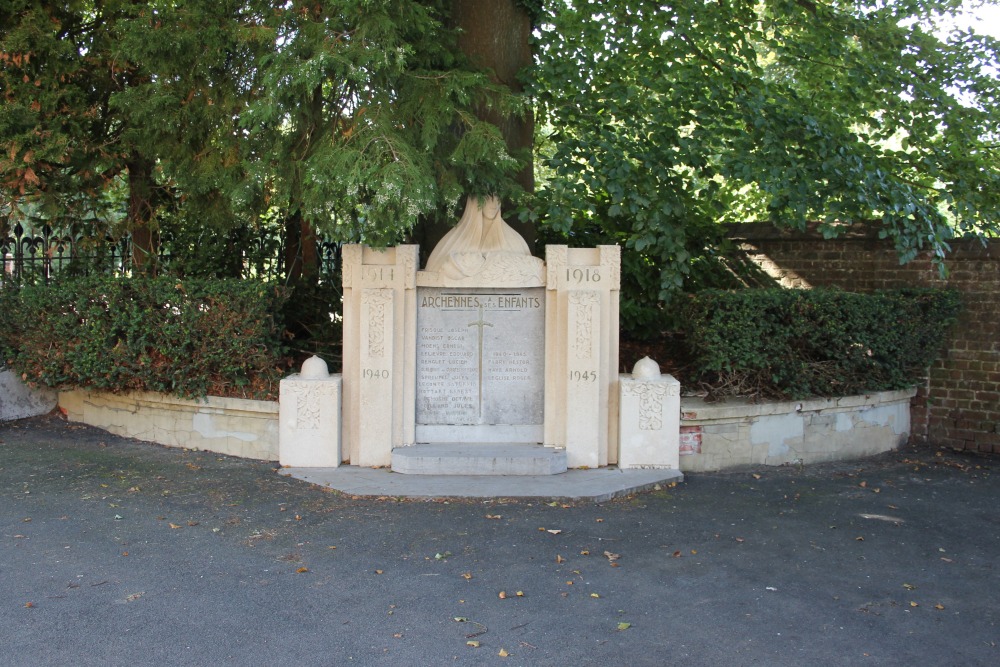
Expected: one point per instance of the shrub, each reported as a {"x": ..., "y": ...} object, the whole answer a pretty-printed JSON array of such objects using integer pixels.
[
  {"x": 188, "y": 338},
  {"x": 798, "y": 343}
]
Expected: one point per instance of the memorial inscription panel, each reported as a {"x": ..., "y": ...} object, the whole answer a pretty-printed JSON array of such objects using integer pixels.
[{"x": 480, "y": 360}]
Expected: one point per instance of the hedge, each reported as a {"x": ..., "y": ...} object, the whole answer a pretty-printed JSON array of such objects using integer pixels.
[
  {"x": 188, "y": 338},
  {"x": 798, "y": 343}
]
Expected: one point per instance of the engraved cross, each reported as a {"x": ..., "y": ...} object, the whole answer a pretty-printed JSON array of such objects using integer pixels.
[{"x": 480, "y": 323}]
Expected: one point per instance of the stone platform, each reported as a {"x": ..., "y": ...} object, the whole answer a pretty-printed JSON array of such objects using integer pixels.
[
  {"x": 595, "y": 485},
  {"x": 478, "y": 459}
]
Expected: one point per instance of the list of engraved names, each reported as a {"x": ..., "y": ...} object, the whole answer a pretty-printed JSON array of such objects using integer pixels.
[{"x": 480, "y": 356}]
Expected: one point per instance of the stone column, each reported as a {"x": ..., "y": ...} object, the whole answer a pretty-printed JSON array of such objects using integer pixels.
[
  {"x": 309, "y": 417},
  {"x": 581, "y": 353},
  {"x": 379, "y": 344},
  {"x": 649, "y": 423}
]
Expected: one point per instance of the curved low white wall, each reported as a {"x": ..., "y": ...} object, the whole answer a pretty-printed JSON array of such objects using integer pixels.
[
  {"x": 737, "y": 432},
  {"x": 233, "y": 426},
  {"x": 713, "y": 436}
]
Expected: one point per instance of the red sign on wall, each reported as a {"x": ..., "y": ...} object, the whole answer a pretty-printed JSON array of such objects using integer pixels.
[{"x": 690, "y": 440}]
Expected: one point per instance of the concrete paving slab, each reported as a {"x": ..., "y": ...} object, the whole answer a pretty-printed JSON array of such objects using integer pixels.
[{"x": 594, "y": 485}]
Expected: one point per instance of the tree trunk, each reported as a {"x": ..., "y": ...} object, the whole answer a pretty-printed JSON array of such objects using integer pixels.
[
  {"x": 140, "y": 215},
  {"x": 494, "y": 34},
  {"x": 301, "y": 255}
]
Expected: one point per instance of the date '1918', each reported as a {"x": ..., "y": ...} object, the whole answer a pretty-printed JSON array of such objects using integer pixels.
[{"x": 582, "y": 275}]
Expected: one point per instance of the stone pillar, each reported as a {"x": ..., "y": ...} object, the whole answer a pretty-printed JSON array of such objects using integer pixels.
[
  {"x": 581, "y": 353},
  {"x": 309, "y": 418},
  {"x": 649, "y": 421},
  {"x": 379, "y": 344}
]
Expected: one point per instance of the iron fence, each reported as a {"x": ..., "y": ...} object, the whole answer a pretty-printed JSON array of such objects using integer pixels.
[
  {"x": 39, "y": 255},
  {"x": 44, "y": 253}
]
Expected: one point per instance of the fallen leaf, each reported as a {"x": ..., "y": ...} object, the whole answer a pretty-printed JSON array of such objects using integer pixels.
[
  {"x": 611, "y": 556},
  {"x": 694, "y": 551},
  {"x": 740, "y": 540},
  {"x": 594, "y": 595},
  {"x": 939, "y": 606},
  {"x": 302, "y": 570},
  {"x": 859, "y": 539},
  {"x": 173, "y": 525},
  {"x": 585, "y": 552},
  {"x": 473, "y": 643},
  {"x": 378, "y": 571},
  {"x": 914, "y": 604},
  {"x": 29, "y": 605},
  {"x": 909, "y": 587},
  {"x": 493, "y": 516},
  {"x": 192, "y": 523},
  {"x": 947, "y": 560},
  {"x": 467, "y": 575},
  {"x": 519, "y": 594},
  {"x": 599, "y": 520},
  {"x": 134, "y": 596},
  {"x": 863, "y": 484},
  {"x": 569, "y": 583},
  {"x": 560, "y": 559},
  {"x": 503, "y": 653},
  {"x": 553, "y": 531},
  {"x": 677, "y": 554},
  {"x": 124, "y": 553},
  {"x": 397, "y": 635},
  {"x": 756, "y": 476},
  {"x": 502, "y": 595},
  {"x": 624, "y": 626}
]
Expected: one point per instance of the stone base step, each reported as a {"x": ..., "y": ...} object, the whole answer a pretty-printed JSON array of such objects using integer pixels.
[{"x": 478, "y": 459}]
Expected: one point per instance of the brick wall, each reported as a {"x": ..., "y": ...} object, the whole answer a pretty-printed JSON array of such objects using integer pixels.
[{"x": 959, "y": 404}]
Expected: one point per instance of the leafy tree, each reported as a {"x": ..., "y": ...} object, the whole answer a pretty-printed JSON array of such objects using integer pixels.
[
  {"x": 661, "y": 121},
  {"x": 365, "y": 120},
  {"x": 360, "y": 119},
  {"x": 117, "y": 96},
  {"x": 354, "y": 117}
]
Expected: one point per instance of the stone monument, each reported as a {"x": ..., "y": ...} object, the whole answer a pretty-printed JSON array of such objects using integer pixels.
[
  {"x": 487, "y": 346},
  {"x": 490, "y": 360}
]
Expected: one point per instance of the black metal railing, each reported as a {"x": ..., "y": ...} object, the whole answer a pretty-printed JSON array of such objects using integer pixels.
[{"x": 42, "y": 254}]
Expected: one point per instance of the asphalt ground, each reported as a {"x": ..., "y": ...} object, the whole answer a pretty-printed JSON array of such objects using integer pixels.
[{"x": 116, "y": 552}]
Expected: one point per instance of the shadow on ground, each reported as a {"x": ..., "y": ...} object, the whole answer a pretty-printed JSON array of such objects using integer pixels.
[{"x": 115, "y": 552}]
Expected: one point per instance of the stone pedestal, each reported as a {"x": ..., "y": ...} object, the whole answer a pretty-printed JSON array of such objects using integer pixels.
[
  {"x": 379, "y": 340},
  {"x": 581, "y": 353},
  {"x": 309, "y": 418},
  {"x": 649, "y": 421}
]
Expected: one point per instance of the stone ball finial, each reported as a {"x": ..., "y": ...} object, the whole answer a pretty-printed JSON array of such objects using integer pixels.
[
  {"x": 315, "y": 368},
  {"x": 646, "y": 369}
]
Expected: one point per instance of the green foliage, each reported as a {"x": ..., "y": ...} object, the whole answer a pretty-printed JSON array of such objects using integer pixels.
[
  {"x": 356, "y": 116},
  {"x": 187, "y": 338},
  {"x": 798, "y": 343},
  {"x": 660, "y": 121}
]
